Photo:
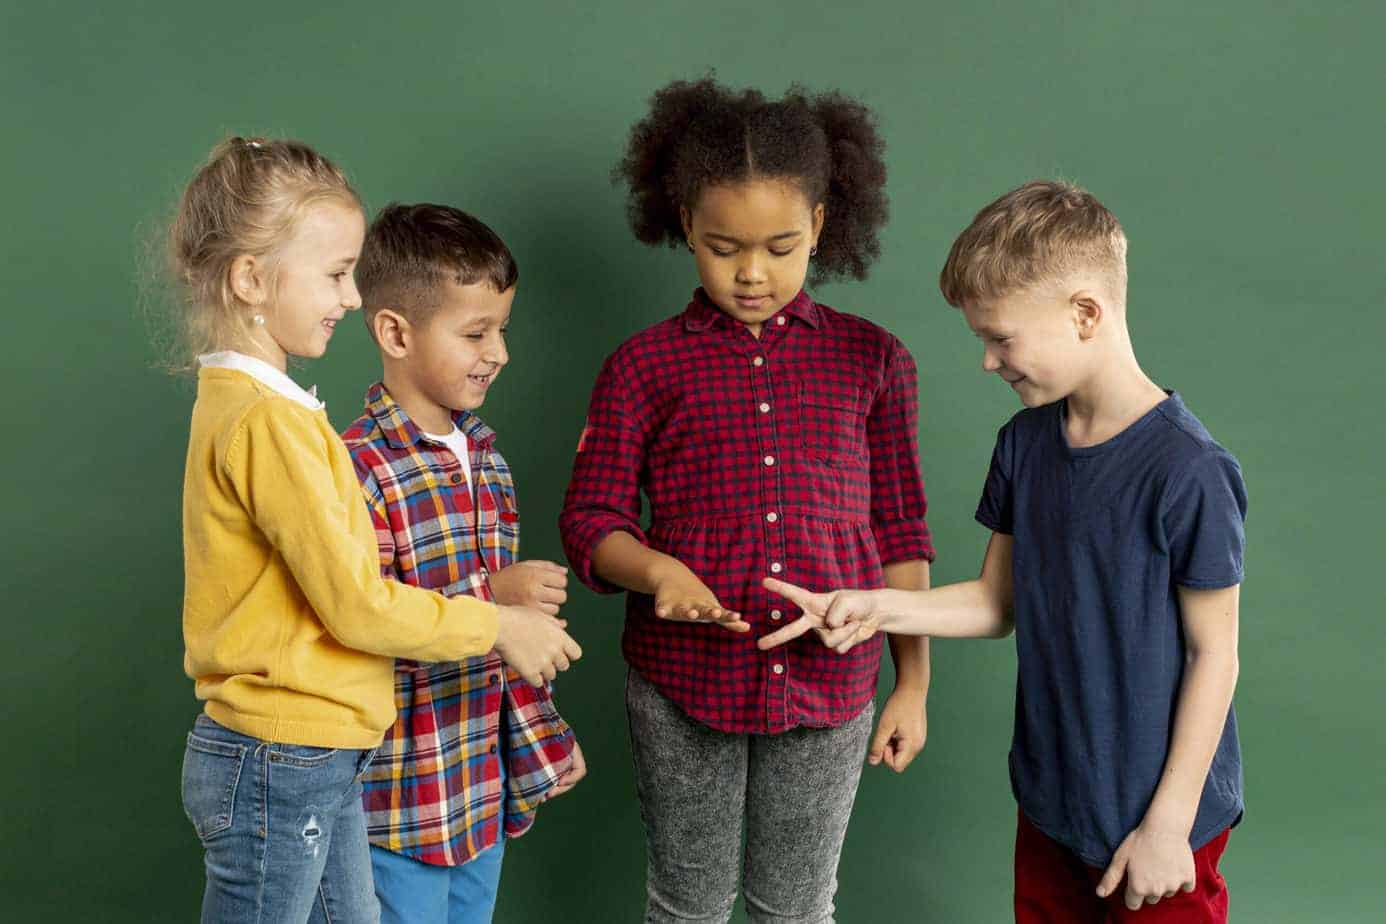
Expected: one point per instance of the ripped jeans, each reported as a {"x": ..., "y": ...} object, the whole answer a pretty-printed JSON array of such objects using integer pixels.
[{"x": 282, "y": 829}]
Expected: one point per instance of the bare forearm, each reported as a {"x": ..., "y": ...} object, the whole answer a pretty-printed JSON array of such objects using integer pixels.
[
  {"x": 1205, "y": 696},
  {"x": 627, "y": 562},
  {"x": 910, "y": 653},
  {"x": 969, "y": 609}
]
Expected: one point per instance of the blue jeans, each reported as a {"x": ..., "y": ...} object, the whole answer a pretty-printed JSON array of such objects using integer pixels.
[
  {"x": 411, "y": 892},
  {"x": 282, "y": 829}
]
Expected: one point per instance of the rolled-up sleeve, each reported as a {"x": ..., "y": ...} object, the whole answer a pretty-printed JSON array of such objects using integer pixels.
[
  {"x": 604, "y": 493},
  {"x": 898, "y": 504}
]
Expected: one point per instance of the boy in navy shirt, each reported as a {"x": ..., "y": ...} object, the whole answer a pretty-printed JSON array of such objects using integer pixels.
[{"x": 1116, "y": 558}]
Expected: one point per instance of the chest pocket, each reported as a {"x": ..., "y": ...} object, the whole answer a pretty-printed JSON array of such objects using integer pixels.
[{"x": 832, "y": 422}]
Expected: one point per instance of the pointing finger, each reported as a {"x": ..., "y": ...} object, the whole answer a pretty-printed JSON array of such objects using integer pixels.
[
  {"x": 790, "y": 632},
  {"x": 1113, "y": 875},
  {"x": 804, "y": 599}
]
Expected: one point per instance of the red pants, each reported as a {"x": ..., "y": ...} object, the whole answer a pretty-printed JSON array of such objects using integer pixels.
[{"x": 1053, "y": 886}]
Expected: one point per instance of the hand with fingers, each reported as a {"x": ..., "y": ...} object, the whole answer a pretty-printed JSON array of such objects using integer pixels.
[
  {"x": 541, "y": 585},
  {"x": 681, "y": 597},
  {"x": 900, "y": 731},
  {"x": 842, "y": 618},
  {"x": 575, "y": 772},
  {"x": 1156, "y": 864},
  {"x": 534, "y": 643}
]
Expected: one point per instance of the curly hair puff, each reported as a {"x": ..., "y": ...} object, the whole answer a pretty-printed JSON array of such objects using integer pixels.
[{"x": 700, "y": 134}]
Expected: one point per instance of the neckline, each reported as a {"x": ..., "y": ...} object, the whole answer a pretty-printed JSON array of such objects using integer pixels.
[
  {"x": 263, "y": 373},
  {"x": 1061, "y": 415}
]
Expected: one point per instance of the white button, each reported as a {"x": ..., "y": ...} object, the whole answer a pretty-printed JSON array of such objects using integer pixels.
[
  {"x": 776, "y": 567},
  {"x": 778, "y": 668},
  {"x": 780, "y": 320},
  {"x": 772, "y": 516},
  {"x": 758, "y": 361},
  {"x": 769, "y": 460},
  {"x": 764, "y": 408},
  {"x": 775, "y": 615}
]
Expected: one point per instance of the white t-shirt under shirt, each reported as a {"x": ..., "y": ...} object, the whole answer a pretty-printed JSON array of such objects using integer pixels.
[{"x": 457, "y": 442}]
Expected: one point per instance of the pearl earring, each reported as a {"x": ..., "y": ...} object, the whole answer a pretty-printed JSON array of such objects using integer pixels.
[
  {"x": 813, "y": 251},
  {"x": 690, "y": 246},
  {"x": 259, "y": 319}
]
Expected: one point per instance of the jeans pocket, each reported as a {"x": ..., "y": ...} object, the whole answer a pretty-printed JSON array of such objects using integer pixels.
[
  {"x": 211, "y": 773},
  {"x": 363, "y": 763},
  {"x": 302, "y": 756}
]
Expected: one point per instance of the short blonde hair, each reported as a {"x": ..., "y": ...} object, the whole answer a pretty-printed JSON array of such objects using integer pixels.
[
  {"x": 1033, "y": 234},
  {"x": 248, "y": 198}
]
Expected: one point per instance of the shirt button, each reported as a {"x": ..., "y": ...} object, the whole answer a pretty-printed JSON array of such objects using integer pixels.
[
  {"x": 764, "y": 408},
  {"x": 775, "y": 615},
  {"x": 493, "y": 679},
  {"x": 492, "y": 749},
  {"x": 456, "y": 477},
  {"x": 758, "y": 361},
  {"x": 780, "y": 320},
  {"x": 769, "y": 460},
  {"x": 778, "y": 668},
  {"x": 776, "y": 567},
  {"x": 772, "y": 516}
]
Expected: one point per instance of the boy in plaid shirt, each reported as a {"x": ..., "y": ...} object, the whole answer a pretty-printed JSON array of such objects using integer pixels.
[{"x": 475, "y": 748}]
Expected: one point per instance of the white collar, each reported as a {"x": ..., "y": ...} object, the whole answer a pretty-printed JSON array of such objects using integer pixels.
[{"x": 263, "y": 372}]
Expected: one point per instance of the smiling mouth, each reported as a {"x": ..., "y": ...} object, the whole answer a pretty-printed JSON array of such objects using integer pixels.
[{"x": 750, "y": 301}]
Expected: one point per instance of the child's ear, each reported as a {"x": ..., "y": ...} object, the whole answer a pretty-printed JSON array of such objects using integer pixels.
[
  {"x": 818, "y": 214},
  {"x": 248, "y": 280},
  {"x": 1087, "y": 313},
  {"x": 686, "y": 217},
  {"x": 391, "y": 331}
]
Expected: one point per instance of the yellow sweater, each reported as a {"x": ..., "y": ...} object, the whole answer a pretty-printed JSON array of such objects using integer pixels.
[{"x": 291, "y": 632}]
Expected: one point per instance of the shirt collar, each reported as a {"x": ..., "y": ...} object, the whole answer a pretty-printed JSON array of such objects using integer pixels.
[
  {"x": 402, "y": 433},
  {"x": 702, "y": 314},
  {"x": 264, "y": 373}
]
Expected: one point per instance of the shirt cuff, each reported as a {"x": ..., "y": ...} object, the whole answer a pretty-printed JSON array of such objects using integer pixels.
[
  {"x": 903, "y": 540},
  {"x": 581, "y": 543}
]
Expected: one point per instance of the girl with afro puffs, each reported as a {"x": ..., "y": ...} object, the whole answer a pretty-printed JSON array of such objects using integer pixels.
[{"x": 773, "y": 436}]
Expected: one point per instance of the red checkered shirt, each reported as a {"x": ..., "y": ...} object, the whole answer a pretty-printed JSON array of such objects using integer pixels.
[
  {"x": 794, "y": 455},
  {"x": 434, "y": 790}
]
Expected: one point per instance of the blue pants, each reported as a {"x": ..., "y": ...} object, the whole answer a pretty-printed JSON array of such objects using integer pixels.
[
  {"x": 411, "y": 892},
  {"x": 282, "y": 827}
]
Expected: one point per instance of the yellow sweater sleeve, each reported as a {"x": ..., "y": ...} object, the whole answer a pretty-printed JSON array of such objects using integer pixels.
[{"x": 280, "y": 463}]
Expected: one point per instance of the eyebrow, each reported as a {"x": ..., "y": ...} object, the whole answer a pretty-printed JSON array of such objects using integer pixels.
[
  {"x": 482, "y": 321},
  {"x": 783, "y": 235}
]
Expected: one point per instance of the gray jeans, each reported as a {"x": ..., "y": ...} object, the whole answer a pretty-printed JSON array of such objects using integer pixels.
[{"x": 696, "y": 785}]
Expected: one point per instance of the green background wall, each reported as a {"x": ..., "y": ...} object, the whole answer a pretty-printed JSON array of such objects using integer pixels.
[{"x": 1239, "y": 142}]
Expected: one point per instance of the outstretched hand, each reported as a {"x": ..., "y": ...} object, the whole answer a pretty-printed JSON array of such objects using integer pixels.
[
  {"x": 681, "y": 597},
  {"x": 842, "y": 618}
]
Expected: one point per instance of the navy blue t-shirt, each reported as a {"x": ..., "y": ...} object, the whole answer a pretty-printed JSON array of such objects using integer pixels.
[{"x": 1103, "y": 537}]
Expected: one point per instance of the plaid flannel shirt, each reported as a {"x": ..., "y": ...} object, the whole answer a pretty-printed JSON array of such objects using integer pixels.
[
  {"x": 793, "y": 455},
  {"x": 433, "y": 791}
]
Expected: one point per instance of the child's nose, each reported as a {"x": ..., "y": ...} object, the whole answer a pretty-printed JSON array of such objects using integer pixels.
[
  {"x": 989, "y": 361},
  {"x": 497, "y": 353},
  {"x": 750, "y": 269}
]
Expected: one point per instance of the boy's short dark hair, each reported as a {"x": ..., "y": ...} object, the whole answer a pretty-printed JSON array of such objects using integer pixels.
[
  {"x": 1033, "y": 233},
  {"x": 411, "y": 250}
]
